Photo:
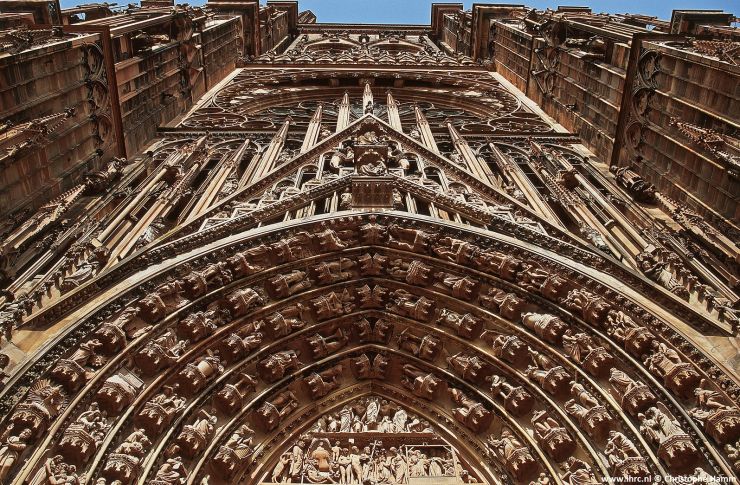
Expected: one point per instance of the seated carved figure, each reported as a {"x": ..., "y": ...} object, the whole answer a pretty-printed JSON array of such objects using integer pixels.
[
  {"x": 327, "y": 273},
  {"x": 509, "y": 449},
  {"x": 583, "y": 349},
  {"x": 552, "y": 437},
  {"x": 406, "y": 304},
  {"x": 240, "y": 302},
  {"x": 235, "y": 347},
  {"x": 285, "y": 285},
  {"x": 543, "y": 282},
  {"x": 578, "y": 472},
  {"x": 272, "y": 412},
  {"x": 720, "y": 418},
  {"x": 159, "y": 353},
  {"x": 277, "y": 365},
  {"x": 470, "y": 413},
  {"x": 286, "y": 321},
  {"x": 322, "y": 346},
  {"x": 297, "y": 246},
  {"x": 469, "y": 367},
  {"x": 333, "y": 304},
  {"x": 591, "y": 416},
  {"x": 322, "y": 383},
  {"x": 635, "y": 339},
  {"x": 462, "y": 287},
  {"x": 504, "y": 265},
  {"x": 196, "y": 375},
  {"x": 455, "y": 250},
  {"x": 196, "y": 283},
  {"x": 591, "y": 308},
  {"x": 413, "y": 272},
  {"x": 675, "y": 447},
  {"x": 426, "y": 347},
  {"x": 634, "y": 396},
  {"x": 466, "y": 325},
  {"x": 678, "y": 376},
  {"x": 420, "y": 383},
  {"x": 82, "y": 438},
  {"x": 248, "y": 262},
  {"x": 73, "y": 372},
  {"x": 547, "y": 327},
  {"x": 517, "y": 401},
  {"x": 199, "y": 325},
  {"x": 624, "y": 457},
  {"x": 195, "y": 437},
  {"x": 159, "y": 412},
  {"x": 232, "y": 396},
  {"x": 550, "y": 376},
  {"x": 172, "y": 472},
  {"x": 507, "y": 347},
  {"x": 414, "y": 240},
  {"x": 233, "y": 455},
  {"x": 160, "y": 302},
  {"x": 508, "y": 305},
  {"x": 124, "y": 463}
]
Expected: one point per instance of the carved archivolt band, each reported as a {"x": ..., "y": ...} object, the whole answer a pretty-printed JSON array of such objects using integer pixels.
[{"x": 219, "y": 362}]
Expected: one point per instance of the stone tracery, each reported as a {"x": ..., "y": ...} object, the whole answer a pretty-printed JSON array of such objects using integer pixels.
[{"x": 358, "y": 304}]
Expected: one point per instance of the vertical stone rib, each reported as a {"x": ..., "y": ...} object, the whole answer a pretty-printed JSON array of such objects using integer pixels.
[
  {"x": 393, "y": 117},
  {"x": 272, "y": 152},
  {"x": 314, "y": 127},
  {"x": 425, "y": 131},
  {"x": 343, "y": 118}
]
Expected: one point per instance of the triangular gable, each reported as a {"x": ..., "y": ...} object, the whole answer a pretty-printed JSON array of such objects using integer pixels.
[{"x": 483, "y": 188}]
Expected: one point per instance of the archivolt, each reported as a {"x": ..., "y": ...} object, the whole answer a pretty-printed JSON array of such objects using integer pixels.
[{"x": 456, "y": 305}]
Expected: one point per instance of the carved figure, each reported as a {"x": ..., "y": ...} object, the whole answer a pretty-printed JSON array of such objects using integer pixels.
[
  {"x": 405, "y": 304},
  {"x": 517, "y": 401},
  {"x": 420, "y": 383},
  {"x": 552, "y": 437},
  {"x": 271, "y": 413},
  {"x": 426, "y": 347},
  {"x": 518, "y": 460},
  {"x": 322, "y": 346},
  {"x": 322, "y": 383},
  {"x": 465, "y": 325},
  {"x": 634, "y": 396},
  {"x": 470, "y": 413},
  {"x": 277, "y": 365},
  {"x": 363, "y": 368}
]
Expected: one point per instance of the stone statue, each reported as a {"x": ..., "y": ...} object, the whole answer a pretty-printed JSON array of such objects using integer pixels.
[
  {"x": 420, "y": 383},
  {"x": 406, "y": 304},
  {"x": 634, "y": 396},
  {"x": 10, "y": 450},
  {"x": 517, "y": 401},
  {"x": 426, "y": 347},
  {"x": 277, "y": 365},
  {"x": 517, "y": 458},
  {"x": 552, "y": 437},
  {"x": 470, "y": 413},
  {"x": 322, "y": 346},
  {"x": 322, "y": 383}
]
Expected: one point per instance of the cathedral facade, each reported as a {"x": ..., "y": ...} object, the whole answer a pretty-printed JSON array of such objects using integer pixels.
[{"x": 239, "y": 245}]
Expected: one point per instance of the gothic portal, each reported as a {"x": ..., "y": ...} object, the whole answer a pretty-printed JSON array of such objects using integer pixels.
[{"x": 241, "y": 246}]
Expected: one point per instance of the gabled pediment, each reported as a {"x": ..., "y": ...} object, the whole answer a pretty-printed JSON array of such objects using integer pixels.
[{"x": 368, "y": 135}]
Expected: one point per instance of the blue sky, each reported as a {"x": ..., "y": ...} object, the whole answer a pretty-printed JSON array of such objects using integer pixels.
[{"x": 418, "y": 11}]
